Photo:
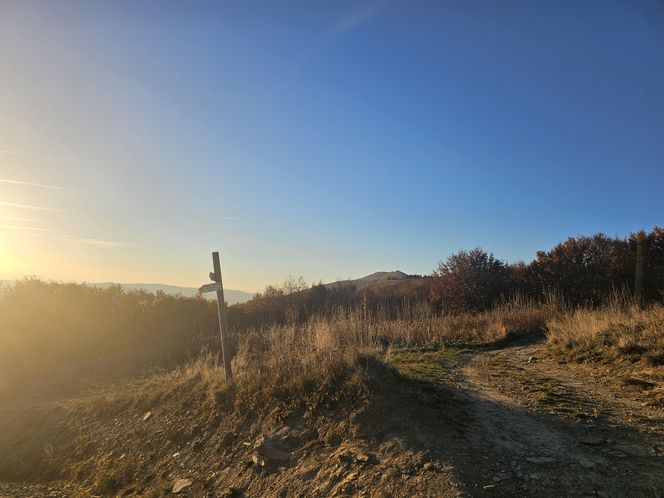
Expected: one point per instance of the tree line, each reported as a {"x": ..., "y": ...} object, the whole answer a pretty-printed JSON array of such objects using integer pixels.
[{"x": 582, "y": 271}]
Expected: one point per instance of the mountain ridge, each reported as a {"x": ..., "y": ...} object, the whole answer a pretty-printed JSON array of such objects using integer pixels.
[{"x": 232, "y": 296}]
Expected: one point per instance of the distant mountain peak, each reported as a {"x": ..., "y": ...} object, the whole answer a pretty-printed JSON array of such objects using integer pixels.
[
  {"x": 375, "y": 278},
  {"x": 386, "y": 275}
]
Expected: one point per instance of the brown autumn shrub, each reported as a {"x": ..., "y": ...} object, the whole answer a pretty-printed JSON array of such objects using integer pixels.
[{"x": 469, "y": 280}]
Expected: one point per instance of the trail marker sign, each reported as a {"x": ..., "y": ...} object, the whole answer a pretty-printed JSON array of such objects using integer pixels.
[
  {"x": 218, "y": 287},
  {"x": 210, "y": 287}
]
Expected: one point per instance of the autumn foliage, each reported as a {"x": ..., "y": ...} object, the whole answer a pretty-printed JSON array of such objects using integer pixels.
[
  {"x": 469, "y": 280},
  {"x": 584, "y": 271}
]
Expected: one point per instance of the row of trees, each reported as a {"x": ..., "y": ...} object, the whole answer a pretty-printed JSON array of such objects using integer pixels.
[{"x": 582, "y": 270}]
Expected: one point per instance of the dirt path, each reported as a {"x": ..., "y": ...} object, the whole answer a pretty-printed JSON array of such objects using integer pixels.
[{"x": 542, "y": 429}]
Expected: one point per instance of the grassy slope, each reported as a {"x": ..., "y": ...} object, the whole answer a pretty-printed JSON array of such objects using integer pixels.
[{"x": 202, "y": 429}]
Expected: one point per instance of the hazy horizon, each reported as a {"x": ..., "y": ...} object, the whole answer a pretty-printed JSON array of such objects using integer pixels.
[
  {"x": 167, "y": 284},
  {"x": 320, "y": 139}
]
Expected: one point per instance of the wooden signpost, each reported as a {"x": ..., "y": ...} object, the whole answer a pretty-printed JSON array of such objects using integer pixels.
[
  {"x": 218, "y": 287},
  {"x": 640, "y": 267}
]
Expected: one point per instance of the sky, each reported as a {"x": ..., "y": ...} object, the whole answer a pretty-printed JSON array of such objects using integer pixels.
[{"x": 322, "y": 139}]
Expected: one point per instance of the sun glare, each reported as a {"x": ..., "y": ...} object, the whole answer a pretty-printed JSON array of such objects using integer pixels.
[{"x": 7, "y": 265}]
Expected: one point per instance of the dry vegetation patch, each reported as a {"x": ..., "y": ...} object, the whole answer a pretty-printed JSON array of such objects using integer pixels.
[
  {"x": 123, "y": 436},
  {"x": 334, "y": 408},
  {"x": 611, "y": 334},
  {"x": 353, "y": 329},
  {"x": 626, "y": 341}
]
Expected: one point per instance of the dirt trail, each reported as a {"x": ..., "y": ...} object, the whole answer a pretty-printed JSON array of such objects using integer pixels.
[{"x": 548, "y": 430}]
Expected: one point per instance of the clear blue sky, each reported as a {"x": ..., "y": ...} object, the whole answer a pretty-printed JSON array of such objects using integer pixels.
[{"x": 327, "y": 139}]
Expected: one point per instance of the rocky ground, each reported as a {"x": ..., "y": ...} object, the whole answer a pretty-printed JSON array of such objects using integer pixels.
[{"x": 508, "y": 421}]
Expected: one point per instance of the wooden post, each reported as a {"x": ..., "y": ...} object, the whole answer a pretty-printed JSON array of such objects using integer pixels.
[
  {"x": 640, "y": 267},
  {"x": 223, "y": 322}
]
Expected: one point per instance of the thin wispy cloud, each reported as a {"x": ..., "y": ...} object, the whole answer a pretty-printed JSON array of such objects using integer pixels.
[
  {"x": 23, "y": 228},
  {"x": 10, "y": 217},
  {"x": 29, "y": 206},
  {"x": 360, "y": 15},
  {"x": 231, "y": 218},
  {"x": 105, "y": 243},
  {"x": 38, "y": 185}
]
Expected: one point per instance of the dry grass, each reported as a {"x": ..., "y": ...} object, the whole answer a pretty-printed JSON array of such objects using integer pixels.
[
  {"x": 279, "y": 374},
  {"x": 615, "y": 333},
  {"x": 515, "y": 318},
  {"x": 285, "y": 368},
  {"x": 311, "y": 364}
]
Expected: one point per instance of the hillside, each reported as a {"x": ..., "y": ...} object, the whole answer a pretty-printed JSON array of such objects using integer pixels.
[
  {"x": 416, "y": 422},
  {"x": 380, "y": 277}
]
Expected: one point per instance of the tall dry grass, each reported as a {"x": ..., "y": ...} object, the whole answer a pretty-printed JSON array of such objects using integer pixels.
[
  {"x": 615, "y": 333},
  {"x": 277, "y": 372},
  {"x": 295, "y": 366},
  {"x": 355, "y": 328},
  {"x": 315, "y": 363}
]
